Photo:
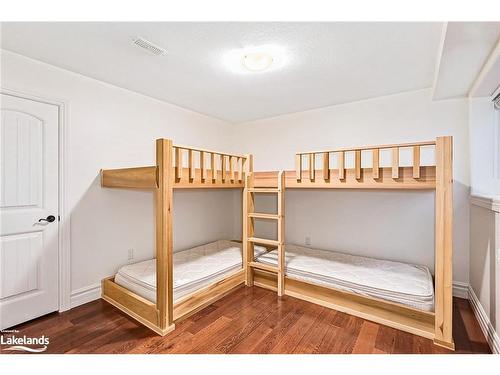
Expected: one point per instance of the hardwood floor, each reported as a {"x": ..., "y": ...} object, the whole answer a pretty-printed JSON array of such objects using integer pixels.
[{"x": 248, "y": 320}]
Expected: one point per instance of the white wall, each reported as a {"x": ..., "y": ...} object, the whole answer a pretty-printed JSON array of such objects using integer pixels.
[
  {"x": 110, "y": 128},
  {"x": 396, "y": 225},
  {"x": 484, "y": 127},
  {"x": 484, "y": 274},
  {"x": 484, "y": 144}
]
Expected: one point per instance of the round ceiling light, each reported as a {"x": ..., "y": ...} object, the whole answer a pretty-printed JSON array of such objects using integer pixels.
[{"x": 257, "y": 61}]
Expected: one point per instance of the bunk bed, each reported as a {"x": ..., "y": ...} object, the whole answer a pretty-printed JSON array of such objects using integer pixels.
[
  {"x": 424, "y": 308},
  {"x": 435, "y": 325},
  {"x": 211, "y": 169}
]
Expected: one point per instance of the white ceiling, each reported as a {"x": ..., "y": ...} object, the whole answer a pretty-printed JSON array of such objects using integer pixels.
[
  {"x": 466, "y": 47},
  {"x": 328, "y": 63}
]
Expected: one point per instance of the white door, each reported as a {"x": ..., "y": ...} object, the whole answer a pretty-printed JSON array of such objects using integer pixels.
[{"x": 28, "y": 193}]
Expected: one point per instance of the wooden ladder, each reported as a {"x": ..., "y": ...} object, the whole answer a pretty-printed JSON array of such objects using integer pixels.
[{"x": 249, "y": 240}]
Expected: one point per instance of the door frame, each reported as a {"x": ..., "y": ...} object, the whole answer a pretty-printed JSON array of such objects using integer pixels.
[{"x": 64, "y": 223}]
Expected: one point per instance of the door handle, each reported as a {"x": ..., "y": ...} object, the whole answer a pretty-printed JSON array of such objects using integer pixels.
[{"x": 49, "y": 219}]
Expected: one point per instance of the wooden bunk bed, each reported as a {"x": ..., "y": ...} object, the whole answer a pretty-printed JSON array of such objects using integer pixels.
[
  {"x": 435, "y": 325},
  {"x": 215, "y": 170},
  {"x": 236, "y": 171}
]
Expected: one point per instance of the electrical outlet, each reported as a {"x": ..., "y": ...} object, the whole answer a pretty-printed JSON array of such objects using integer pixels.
[
  {"x": 308, "y": 241},
  {"x": 130, "y": 254}
]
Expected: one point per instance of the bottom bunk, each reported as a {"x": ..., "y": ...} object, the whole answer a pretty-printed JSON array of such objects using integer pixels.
[
  {"x": 406, "y": 284},
  {"x": 395, "y": 294},
  {"x": 194, "y": 269},
  {"x": 201, "y": 276}
]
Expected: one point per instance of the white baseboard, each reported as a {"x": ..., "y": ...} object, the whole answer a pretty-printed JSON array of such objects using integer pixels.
[
  {"x": 484, "y": 322},
  {"x": 460, "y": 289},
  {"x": 84, "y": 295}
]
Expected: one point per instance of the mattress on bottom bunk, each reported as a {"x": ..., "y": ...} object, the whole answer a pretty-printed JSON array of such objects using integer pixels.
[
  {"x": 407, "y": 284},
  {"x": 193, "y": 269}
]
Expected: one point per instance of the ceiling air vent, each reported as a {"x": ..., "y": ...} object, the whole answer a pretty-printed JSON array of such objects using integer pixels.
[
  {"x": 496, "y": 98},
  {"x": 151, "y": 47}
]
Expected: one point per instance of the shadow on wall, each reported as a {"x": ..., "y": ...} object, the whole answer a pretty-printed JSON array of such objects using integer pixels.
[
  {"x": 107, "y": 223},
  {"x": 483, "y": 270},
  {"x": 394, "y": 225}
]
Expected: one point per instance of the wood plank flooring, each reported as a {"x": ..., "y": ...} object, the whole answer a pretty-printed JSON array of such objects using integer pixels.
[{"x": 248, "y": 320}]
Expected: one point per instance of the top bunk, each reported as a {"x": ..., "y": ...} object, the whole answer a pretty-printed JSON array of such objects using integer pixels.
[
  {"x": 363, "y": 167},
  {"x": 417, "y": 165},
  {"x": 186, "y": 166}
]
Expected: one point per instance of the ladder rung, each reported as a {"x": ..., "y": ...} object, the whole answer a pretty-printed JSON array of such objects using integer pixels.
[
  {"x": 264, "y": 267},
  {"x": 263, "y": 190},
  {"x": 263, "y": 241},
  {"x": 258, "y": 215}
]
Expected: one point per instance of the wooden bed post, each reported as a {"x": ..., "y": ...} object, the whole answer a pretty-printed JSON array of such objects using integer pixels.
[
  {"x": 444, "y": 246},
  {"x": 247, "y": 230},
  {"x": 164, "y": 239},
  {"x": 281, "y": 233}
]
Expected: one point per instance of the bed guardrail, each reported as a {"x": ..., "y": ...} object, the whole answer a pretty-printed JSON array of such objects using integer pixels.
[
  {"x": 375, "y": 170},
  {"x": 191, "y": 167},
  {"x": 213, "y": 166}
]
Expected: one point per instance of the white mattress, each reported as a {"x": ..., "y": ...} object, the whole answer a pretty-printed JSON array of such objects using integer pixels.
[
  {"x": 407, "y": 284},
  {"x": 193, "y": 269}
]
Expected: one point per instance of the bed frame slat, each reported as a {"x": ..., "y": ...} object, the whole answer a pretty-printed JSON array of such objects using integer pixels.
[
  {"x": 178, "y": 163},
  {"x": 312, "y": 167},
  {"x": 191, "y": 165},
  {"x": 231, "y": 168},
  {"x": 223, "y": 167},
  {"x": 341, "y": 162},
  {"x": 326, "y": 165},
  {"x": 395, "y": 162},
  {"x": 298, "y": 167},
  {"x": 416, "y": 161},
  {"x": 213, "y": 167},
  {"x": 202, "y": 166},
  {"x": 357, "y": 164}
]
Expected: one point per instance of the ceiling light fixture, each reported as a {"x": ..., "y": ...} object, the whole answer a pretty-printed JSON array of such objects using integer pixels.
[
  {"x": 255, "y": 59},
  {"x": 257, "y": 62}
]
